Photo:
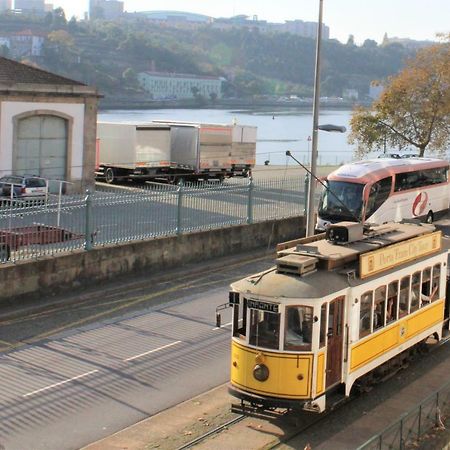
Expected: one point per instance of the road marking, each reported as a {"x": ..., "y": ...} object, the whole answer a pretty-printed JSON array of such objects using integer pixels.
[
  {"x": 224, "y": 325},
  {"x": 131, "y": 302},
  {"x": 152, "y": 351},
  {"x": 6, "y": 343},
  {"x": 59, "y": 384}
]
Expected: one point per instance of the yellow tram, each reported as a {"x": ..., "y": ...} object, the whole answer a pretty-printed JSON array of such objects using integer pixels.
[{"x": 338, "y": 309}]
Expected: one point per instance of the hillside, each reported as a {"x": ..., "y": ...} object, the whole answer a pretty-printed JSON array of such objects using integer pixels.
[{"x": 110, "y": 54}]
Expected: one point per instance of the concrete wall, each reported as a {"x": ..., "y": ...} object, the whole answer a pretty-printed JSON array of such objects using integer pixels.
[{"x": 82, "y": 268}]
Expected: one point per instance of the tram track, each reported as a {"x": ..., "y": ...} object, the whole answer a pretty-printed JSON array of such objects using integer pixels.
[
  {"x": 212, "y": 432},
  {"x": 293, "y": 424}
]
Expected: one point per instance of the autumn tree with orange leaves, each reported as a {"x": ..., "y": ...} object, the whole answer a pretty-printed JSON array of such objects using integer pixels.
[{"x": 412, "y": 111}]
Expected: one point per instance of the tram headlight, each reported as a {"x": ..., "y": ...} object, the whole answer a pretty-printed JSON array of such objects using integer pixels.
[{"x": 261, "y": 372}]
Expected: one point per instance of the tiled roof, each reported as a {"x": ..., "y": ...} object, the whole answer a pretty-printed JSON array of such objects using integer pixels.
[{"x": 13, "y": 72}]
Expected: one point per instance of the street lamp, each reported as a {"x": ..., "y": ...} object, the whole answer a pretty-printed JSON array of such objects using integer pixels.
[{"x": 333, "y": 128}]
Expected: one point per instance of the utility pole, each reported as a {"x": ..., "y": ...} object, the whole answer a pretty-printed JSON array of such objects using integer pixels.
[{"x": 310, "y": 216}]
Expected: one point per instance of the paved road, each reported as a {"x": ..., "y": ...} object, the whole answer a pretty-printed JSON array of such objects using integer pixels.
[{"x": 86, "y": 382}]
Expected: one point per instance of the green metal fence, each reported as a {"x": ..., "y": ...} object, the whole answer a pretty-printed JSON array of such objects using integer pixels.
[
  {"x": 31, "y": 229},
  {"x": 411, "y": 427}
]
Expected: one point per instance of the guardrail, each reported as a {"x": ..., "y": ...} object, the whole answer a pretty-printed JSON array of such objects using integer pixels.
[
  {"x": 106, "y": 217},
  {"x": 407, "y": 432}
]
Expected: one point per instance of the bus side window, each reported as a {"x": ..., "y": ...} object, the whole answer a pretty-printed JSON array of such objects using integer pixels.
[
  {"x": 435, "y": 295},
  {"x": 365, "y": 314},
  {"x": 379, "y": 313},
  {"x": 404, "y": 296},
  {"x": 379, "y": 193},
  {"x": 392, "y": 303},
  {"x": 415, "y": 292}
]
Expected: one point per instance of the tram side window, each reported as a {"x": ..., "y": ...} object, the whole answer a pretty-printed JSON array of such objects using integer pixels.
[
  {"x": 240, "y": 319},
  {"x": 380, "y": 308},
  {"x": 404, "y": 296},
  {"x": 436, "y": 282},
  {"x": 264, "y": 329},
  {"x": 323, "y": 324},
  {"x": 365, "y": 314},
  {"x": 392, "y": 302},
  {"x": 299, "y": 321},
  {"x": 415, "y": 292},
  {"x": 425, "y": 291}
]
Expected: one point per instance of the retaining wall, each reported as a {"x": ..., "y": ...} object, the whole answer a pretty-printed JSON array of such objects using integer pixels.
[{"x": 81, "y": 268}]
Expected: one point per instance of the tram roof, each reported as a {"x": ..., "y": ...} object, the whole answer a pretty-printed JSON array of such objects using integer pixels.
[
  {"x": 363, "y": 171},
  {"x": 335, "y": 263}
]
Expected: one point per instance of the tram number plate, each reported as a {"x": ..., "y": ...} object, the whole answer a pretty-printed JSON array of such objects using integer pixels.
[{"x": 264, "y": 306}]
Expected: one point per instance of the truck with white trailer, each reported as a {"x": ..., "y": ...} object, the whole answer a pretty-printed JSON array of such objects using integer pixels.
[{"x": 174, "y": 151}]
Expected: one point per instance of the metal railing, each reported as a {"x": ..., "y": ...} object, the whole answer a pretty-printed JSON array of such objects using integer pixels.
[
  {"x": 34, "y": 228},
  {"x": 407, "y": 432}
]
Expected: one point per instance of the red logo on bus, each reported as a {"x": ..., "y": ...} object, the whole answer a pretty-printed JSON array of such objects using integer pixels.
[{"x": 420, "y": 203}]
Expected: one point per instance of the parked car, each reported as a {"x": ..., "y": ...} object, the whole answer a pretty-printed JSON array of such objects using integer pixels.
[{"x": 23, "y": 186}]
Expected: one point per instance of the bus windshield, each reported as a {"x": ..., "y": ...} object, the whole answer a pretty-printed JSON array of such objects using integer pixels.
[{"x": 341, "y": 201}]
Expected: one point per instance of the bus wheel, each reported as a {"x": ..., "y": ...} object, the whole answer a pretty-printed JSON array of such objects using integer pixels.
[
  {"x": 429, "y": 218},
  {"x": 110, "y": 176}
]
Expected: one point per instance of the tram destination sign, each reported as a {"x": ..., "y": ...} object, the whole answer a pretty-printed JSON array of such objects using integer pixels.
[
  {"x": 386, "y": 258},
  {"x": 263, "y": 306}
]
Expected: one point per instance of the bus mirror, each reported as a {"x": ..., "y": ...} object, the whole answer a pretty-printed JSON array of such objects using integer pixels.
[{"x": 218, "y": 320}]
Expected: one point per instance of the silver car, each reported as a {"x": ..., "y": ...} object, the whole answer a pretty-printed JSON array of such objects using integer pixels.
[{"x": 23, "y": 186}]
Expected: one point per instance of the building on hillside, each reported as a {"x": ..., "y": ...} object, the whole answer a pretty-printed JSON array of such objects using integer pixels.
[
  {"x": 163, "y": 86},
  {"x": 48, "y": 125},
  {"x": 350, "y": 94},
  {"x": 174, "y": 17},
  {"x": 5, "y": 5},
  {"x": 297, "y": 27},
  {"x": 305, "y": 29},
  {"x": 105, "y": 9},
  {"x": 24, "y": 43},
  {"x": 375, "y": 90},
  {"x": 30, "y": 6}
]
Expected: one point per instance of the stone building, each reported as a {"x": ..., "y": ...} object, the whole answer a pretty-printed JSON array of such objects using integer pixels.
[
  {"x": 47, "y": 125},
  {"x": 164, "y": 86}
]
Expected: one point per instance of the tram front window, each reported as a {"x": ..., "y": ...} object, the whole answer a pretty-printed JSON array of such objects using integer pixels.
[
  {"x": 299, "y": 323},
  {"x": 264, "y": 329}
]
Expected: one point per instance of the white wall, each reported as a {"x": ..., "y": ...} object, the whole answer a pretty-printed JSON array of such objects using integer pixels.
[{"x": 11, "y": 109}]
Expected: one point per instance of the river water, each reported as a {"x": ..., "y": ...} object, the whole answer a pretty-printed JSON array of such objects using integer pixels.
[{"x": 278, "y": 130}]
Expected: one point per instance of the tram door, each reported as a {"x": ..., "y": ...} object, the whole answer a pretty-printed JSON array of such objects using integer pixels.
[{"x": 335, "y": 340}]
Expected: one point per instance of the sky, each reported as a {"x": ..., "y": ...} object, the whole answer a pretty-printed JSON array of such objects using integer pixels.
[{"x": 365, "y": 19}]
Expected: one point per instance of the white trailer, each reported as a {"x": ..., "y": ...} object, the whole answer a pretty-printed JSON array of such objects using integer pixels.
[
  {"x": 215, "y": 149},
  {"x": 135, "y": 151},
  {"x": 174, "y": 151}
]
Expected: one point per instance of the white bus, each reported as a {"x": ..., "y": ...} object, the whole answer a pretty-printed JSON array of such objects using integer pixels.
[{"x": 384, "y": 190}]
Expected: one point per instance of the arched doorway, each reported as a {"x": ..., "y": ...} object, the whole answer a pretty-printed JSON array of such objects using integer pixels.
[{"x": 41, "y": 147}]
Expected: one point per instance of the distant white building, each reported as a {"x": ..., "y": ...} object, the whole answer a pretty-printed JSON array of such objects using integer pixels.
[
  {"x": 5, "y": 5},
  {"x": 350, "y": 94},
  {"x": 179, "y": 86},
  {"x": 375, "y": 90},
  {"x": 24, "y": 43},
  {"x": 105, "y": 9},
  {"x": 35, "y": 6}
]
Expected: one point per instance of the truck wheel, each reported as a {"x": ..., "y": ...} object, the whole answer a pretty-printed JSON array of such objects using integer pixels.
[
  {"x": 5, "y": 252},
  {"x": 110, "y": 176}
]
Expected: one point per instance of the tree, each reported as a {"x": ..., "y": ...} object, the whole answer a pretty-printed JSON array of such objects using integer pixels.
[{"x": 413, "y": 110}]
